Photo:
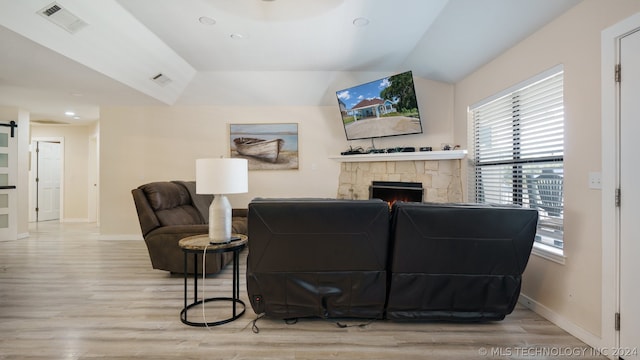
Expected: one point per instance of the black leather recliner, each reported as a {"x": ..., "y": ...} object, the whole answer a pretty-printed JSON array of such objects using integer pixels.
[
  {"x": 457, "y": 262},
  {"x": 318, "y": 257},
  {"x": 169, "y": 211}
]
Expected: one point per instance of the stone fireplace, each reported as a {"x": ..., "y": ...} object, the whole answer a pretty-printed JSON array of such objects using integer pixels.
[{"x": 440, "y": 178}]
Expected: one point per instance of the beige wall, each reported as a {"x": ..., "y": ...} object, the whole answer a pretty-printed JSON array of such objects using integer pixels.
[
  {"x": 75, "y": 172},
  {"x": 140, "y": 145},
  {"x": 144, "y": 144},
  {"x": 571, "y": 291}
]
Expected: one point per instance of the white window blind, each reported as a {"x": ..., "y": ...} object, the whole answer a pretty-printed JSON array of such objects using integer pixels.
[{"x": 518, "y": 152}]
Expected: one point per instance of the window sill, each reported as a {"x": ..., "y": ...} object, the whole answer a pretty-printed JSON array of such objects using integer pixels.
[{"x": 548, "y": 252}]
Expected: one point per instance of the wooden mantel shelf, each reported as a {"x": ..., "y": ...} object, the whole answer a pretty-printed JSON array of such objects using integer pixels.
[{"x": 403, "y": 156}]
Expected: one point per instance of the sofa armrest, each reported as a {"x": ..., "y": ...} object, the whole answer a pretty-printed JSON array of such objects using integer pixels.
[
  {"x": 165, "y": 254},
  {"x": 146, "y": 216}
]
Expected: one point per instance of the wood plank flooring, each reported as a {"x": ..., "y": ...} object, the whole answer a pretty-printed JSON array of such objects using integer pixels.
[{"x": 64, "y": 294}]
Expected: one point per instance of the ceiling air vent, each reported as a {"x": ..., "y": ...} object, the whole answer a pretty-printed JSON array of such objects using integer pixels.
[
  {"x": 161, "y": 79},
  {"x": 60, "y": 16}
]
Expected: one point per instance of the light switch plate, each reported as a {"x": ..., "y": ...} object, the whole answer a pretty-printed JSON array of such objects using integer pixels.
[{"x": 595, "y": 180}]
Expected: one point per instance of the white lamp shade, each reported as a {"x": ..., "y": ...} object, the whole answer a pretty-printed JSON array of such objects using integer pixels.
[{"x": 222, "y": 176}]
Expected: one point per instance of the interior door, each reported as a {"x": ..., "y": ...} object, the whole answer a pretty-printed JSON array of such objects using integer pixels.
[
  {"x": 93, "y": 180},
  {"x": 8, "y": 194},
  {"x": 48, "y": 180},
  {"x": 630, "y": 196}
]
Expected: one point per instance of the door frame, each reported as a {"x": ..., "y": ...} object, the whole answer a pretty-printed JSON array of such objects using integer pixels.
[
  {"x": 32, "y": 179},
  {"x": 610, "y": 40}
]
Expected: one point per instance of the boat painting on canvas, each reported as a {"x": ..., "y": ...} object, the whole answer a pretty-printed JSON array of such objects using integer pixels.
[{"x": 265, "y": 146}]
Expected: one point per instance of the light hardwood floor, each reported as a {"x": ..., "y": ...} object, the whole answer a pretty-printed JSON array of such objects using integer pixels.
[{"x": 64, "y": 294}]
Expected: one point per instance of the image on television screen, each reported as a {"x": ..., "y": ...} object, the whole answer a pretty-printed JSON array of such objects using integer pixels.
[{"x": 384, "y": 107}]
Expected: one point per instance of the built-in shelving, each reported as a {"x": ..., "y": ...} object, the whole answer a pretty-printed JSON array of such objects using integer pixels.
[{"x": 403, "y": 156}]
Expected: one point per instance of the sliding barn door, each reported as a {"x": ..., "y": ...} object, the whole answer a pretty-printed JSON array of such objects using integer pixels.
[{"x": 8, "y": 174}]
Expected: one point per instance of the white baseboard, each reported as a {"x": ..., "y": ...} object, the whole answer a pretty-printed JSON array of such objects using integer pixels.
[
  {"x": 71, "y": 220},
  {"x": 118, "y": 237},
  {"x": 562, "y": 322}
]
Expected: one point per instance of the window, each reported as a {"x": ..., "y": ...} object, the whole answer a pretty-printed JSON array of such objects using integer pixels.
[{"x": 517, "y": 154}]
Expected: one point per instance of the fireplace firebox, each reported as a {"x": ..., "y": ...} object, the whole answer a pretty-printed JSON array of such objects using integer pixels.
[{"x": 392, "y": 191}]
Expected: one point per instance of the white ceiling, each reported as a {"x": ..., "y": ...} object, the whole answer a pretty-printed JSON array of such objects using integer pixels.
[{"x": 264, "y": 52}]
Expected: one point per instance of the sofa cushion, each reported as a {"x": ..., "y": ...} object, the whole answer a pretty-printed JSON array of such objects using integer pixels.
[
  {"x": 490, "y": 240},
  {"x": 200, "y": 201}
]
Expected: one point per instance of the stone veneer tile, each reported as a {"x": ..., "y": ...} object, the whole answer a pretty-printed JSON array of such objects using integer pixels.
[
  {"x": 378, "y": 167},
  {"x": 406, "y": 167},
  {"x": 394, "y": 177},
  {"x": 441, "y": 181},
  {"x": 445, "y": 167},
  {"x": 426, "y": 180},
  {"x": 391, "y": 167},
  {"x": 432, "y": 165}
]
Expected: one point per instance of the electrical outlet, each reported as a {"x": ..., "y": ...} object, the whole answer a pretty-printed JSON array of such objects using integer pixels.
[{"x": 595, "y": 180}]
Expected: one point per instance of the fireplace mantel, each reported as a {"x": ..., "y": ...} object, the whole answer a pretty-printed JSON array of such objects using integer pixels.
[{"x": 403, "y": 156}]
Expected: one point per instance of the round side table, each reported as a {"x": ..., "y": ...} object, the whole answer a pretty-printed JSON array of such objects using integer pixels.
[{"x": 199, "y": 244}]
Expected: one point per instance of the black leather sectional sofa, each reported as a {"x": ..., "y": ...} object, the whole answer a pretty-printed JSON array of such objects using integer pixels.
[{"x": 356, "y": 258}]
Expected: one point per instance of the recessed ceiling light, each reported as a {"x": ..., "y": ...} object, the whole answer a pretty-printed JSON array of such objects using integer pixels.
[
  {"x": 237, "y": 36},
  {"x": 69, "y": 113},
  {"x": 76, "y": 117},
  {"x": 360, "y": 22},
  {"x": 205, "y": 20}
]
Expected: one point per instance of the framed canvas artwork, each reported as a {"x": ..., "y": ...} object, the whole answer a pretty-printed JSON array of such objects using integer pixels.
[{"x": 265, "y": 146}]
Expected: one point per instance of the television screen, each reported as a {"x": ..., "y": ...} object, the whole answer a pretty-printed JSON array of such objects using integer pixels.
[{"x": 384, "y": 107}]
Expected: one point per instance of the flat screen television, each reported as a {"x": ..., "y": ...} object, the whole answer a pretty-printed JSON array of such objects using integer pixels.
[{"x": 384, "y": 107}]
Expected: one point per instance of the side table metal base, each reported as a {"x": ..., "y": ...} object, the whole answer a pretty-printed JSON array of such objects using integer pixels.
[
  {"x": 199, "y": 244},
  {"x": 183, "y": 313}
]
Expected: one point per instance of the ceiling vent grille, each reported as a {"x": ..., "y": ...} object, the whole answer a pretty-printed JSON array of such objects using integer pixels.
[
  {"x": 161, "y": 79},
  {"x": 62, "y": 17}
]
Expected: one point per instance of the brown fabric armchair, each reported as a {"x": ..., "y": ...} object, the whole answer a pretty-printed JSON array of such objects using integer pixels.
[{"x": 171, "y": 210}]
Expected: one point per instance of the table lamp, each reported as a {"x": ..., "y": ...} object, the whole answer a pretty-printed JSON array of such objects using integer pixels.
[{"x": 219, "y": 177}]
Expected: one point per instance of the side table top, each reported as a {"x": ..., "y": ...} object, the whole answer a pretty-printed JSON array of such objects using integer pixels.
[{"x": 200, "y": 242}]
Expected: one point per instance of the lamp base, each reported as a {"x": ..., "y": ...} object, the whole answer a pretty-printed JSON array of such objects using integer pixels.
[{"x": 220, "y": 220}]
